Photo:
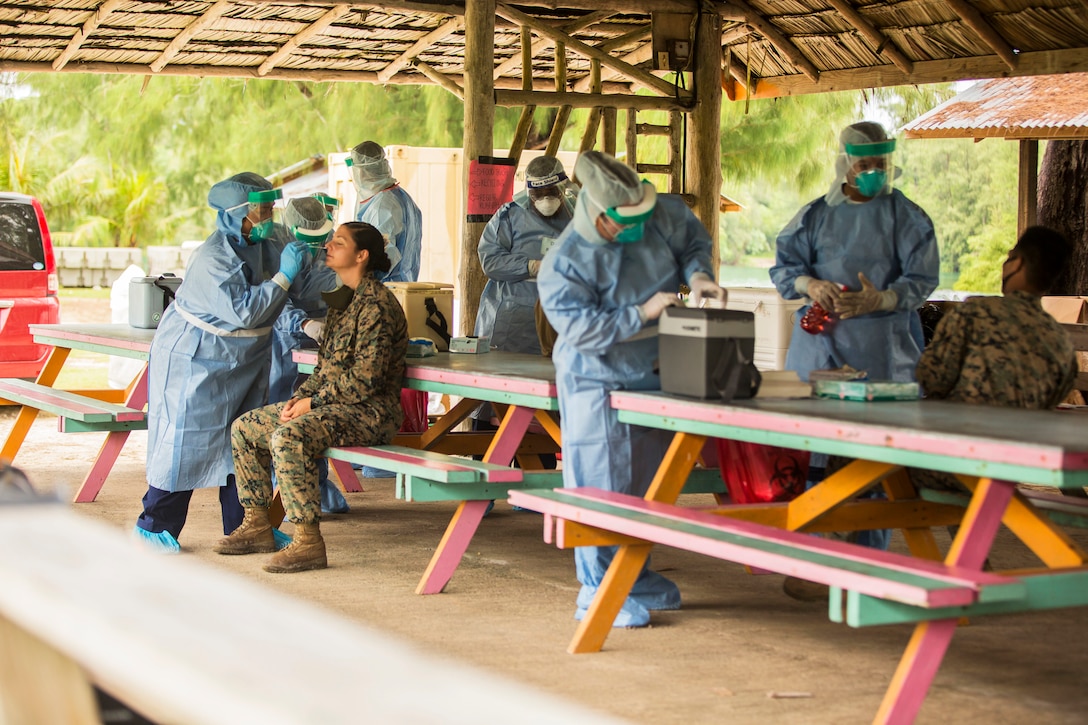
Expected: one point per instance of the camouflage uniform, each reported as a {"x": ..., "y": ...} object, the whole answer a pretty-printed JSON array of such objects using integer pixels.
[
  {"x": 355, "y": 401},
  {"x": 1005, "y": 351}
]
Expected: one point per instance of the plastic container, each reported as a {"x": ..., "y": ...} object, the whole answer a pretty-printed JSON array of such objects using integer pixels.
[
  {"x": 865, "y": 390},
  {"x": 697, "y": 354},
  {"x": 774, "y": 322},
  {"x": 428, "y": 307},
  {"x": 148, "y": 298}
]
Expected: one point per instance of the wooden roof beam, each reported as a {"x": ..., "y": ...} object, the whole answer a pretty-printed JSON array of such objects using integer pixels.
[
  {"x": 210, "y": 16},
  {"x": 975, "y": 20},
  {"x": 775, "y": 37},
  {"x": 727, "y": 10},
  {"x": 635, "y": 56},
  {"x": 735, "y": 33},
  {"x": 446, "y": 29},
  {"x": 647, "y": 79},
  {"x": 439, "y": 78},
  {"x": 96, "y": 19},
  {"x": 589, "y": 100},
  {"x": 580, "y": 24},
  {"x": 316, "y": 28},
  {"x": 882, "y": 42}
]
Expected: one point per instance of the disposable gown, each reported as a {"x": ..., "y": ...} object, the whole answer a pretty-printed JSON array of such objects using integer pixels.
[
  {"x": 287, "y": 334},
  {"x": 393, "y": 213},
  {"x": 210, "y": 360},
  {"x": 590, "y": 291},
  {"x": 514, "y": 235},
  {"x": 892, "y": 241}
]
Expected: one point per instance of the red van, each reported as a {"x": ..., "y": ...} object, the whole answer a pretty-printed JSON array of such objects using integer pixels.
[{"x": 28, "y": 284}]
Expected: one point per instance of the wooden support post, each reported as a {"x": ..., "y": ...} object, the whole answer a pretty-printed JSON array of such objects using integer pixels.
[
  {"x": 608, "y": 130},
  {"x": 594, "y": 120},
  {"x": 525, "y": 123},
  {"x": 562, "y": 116},
  {"x": 478, "y": 141},
  {"x": 632, "y": 138},
  {"x": 1028, "y": 201},
  {"x": 676, "y": 152},
  {"x": 704, "y": 134}
]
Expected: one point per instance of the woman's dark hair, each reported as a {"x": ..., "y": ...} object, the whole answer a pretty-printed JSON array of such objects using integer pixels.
[
  {"x": 1045, "y": 253},
  {"x": 368, "y": 238}
]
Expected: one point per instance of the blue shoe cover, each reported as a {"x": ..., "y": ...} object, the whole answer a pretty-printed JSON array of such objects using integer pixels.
[
  {"x": 632, "y": 614},
  {"x": 529, "y": 511},
  {"x": 282, "y": 540},
  {"x": 369, "y": 472},
  {"x": 332, "y": 501},
  {"x": 161, "y": 543},
  {"x": 490, "y": 505}
]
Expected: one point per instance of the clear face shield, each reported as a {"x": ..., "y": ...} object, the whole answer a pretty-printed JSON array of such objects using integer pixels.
[
  {"x": 332, "y": 205},
  {"x": 369, "y": 176},
  {"x": 549, "y": 194},
  {"x": 870, "y": 168},
  {"x": 264, "y": 212}
]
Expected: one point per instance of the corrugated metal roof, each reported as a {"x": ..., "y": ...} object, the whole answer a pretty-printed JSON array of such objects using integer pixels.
[{"x": 1035, "y": 107}]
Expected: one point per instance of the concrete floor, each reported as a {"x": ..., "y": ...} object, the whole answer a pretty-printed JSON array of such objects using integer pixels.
[{"x": 739, "y": 651}]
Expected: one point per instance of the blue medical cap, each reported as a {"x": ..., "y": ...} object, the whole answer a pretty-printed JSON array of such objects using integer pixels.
[{"x": 234, "y": 192}]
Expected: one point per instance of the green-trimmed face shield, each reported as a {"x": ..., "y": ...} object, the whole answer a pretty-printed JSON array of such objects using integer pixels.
[
  {"x": 265, "y": 208},
  {"x": 870, "y": 167},
  {"x": 631, "y": 218},
  {"x": 331, "y": 203}
]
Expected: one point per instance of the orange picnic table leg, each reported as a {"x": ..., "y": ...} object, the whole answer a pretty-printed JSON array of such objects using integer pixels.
[
  {"x": 629, "y": 559},
  {"x": 27, "y": 414}
]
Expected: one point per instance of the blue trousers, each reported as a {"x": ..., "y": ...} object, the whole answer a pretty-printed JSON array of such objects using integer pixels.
[{"x": 168, "y": 510}]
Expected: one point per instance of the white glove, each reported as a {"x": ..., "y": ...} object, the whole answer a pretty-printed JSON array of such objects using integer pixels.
[
  {"x": 704, "y": 288},
  {"x": 652, "y": 308},
  {"x": 819, "y": 290},
  {"x": 534, "y": 267},
  {"x": 868, "y": 299},
  {"x": 314, "y": 329}
]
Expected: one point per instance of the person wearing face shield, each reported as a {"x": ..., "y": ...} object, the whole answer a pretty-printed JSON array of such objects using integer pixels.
[
  {"x": 211, "y": 355},
  {"x": 389, "y": 209},
  {"x": 868, "y": 255},
  {"x": 610, "y": 275},
  {"x": 308, "y": 220},
  {"x": 511, "y": 247}
]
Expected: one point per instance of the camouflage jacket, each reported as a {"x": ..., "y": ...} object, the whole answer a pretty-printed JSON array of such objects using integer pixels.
[
  {"x": 362, "y": 355},
  {"x": 1004, "y": 351}
]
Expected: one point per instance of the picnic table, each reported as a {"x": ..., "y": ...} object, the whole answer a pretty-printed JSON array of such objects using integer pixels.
[
  {"x": 115, "y": 412},
  {"x": 989, "y": 449}
]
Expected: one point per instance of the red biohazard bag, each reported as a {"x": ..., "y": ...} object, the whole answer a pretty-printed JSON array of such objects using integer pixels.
[
  {"x": 755, "y": 473},
  {"x": 414, "y": 403}
]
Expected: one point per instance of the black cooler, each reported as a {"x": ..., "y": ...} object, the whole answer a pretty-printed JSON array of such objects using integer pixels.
[{"x": 708, "y": 353}]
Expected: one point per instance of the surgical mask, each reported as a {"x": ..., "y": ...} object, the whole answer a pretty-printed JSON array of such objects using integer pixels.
[
  {"x": 548, "y": 206},
  {"x": 871, "y": 182},
  {"x": 262, "y": 231},
  {"x": 633, "y": 233}
]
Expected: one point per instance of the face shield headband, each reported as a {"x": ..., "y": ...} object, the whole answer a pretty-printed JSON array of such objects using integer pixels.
[
  {"x": 632, "y": 217},
  {"x": 546, "y": 181}
]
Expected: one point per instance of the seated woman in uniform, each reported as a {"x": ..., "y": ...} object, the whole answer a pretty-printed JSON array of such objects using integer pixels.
[{"x": 352, "y": 399}]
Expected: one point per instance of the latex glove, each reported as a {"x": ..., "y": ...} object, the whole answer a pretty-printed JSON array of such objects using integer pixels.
[
  {"x": 867, "y": 299},
  {"x": 291, "y": 260},
  {"x": 704, "y": 288},
  {"x": 314, "y": 329},
  {"x": 534, "y": 267},
  {"x": 652, "y": 308},
  {"x": 825, "y": 293}
]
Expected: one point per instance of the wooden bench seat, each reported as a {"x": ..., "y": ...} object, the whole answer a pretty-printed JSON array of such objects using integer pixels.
[
  {"x": 1063, "y": 510},
  {"x": 883, "y": 575},
  {"x": 77, "y": 413},
  {"x": 425, "y": 464}
]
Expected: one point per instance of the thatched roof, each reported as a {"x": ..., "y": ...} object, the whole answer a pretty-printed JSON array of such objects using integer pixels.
[
  {"x": 772, "y": 47},
  {"x": 1036, "y": 107}
]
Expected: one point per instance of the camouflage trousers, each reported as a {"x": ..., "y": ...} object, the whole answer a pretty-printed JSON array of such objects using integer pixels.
[{"x": 260, "y": 441}]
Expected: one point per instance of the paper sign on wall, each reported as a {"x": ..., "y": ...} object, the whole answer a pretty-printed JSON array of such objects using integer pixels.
[{"x": 490, "y": 185}]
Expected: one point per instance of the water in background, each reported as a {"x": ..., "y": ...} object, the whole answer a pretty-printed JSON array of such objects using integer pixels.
[{"x": 730, "y": 276}]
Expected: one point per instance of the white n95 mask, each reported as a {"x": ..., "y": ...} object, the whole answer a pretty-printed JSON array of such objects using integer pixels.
[{"x": 548, "y": 205}]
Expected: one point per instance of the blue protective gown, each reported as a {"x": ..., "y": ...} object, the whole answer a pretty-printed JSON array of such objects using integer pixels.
[
  {"x": 287, "y": 334},
  {"x": 516, "y": 234},
  {"x": 892, "y": 241},
  {"x": 210, "y": 359},
  {"x": 393, "y": 213},
  {"x": 590, "y": 293}
]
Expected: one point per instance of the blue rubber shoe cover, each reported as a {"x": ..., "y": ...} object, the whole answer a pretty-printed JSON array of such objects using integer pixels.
[
  {"x": 632, "y": 614},
  {"x": 162, "y": 542},
  {"x": 282, "y": 539}
]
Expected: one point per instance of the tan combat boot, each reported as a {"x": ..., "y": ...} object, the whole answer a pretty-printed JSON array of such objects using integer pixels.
[
  {"x": 254, "y": 536},
  {"x": 307, "y": 551}
]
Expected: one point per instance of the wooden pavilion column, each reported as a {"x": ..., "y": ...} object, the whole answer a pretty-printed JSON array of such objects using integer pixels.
[
  {"x": 478, "y": 141},
  {"x": 1028, "y": 192},
  {"x": 704, "y": 168}
]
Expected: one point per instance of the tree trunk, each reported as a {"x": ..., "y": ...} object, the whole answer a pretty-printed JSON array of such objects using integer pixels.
[{"x": 1063, "y": 205}]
